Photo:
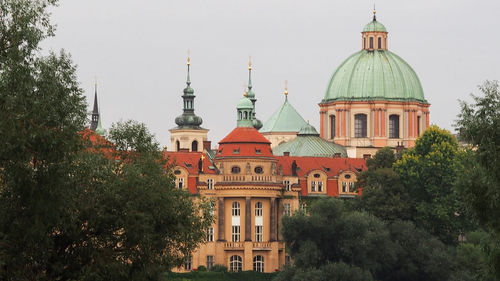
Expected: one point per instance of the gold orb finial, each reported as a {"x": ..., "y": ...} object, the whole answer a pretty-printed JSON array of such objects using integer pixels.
[
  {"x": 188, "y": 58},
  {"x": 249, "y": 62},
  {"x": 286, "y": 87}
]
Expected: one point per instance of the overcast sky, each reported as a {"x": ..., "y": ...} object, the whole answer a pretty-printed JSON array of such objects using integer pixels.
[{"x": 137, "y": 50}]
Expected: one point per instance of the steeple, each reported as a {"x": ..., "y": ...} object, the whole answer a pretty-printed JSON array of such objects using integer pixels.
[
  {"x": 188, "y": 119},
  {"x": 95, "y": 112},
  {"x": 257, "y": 124}
]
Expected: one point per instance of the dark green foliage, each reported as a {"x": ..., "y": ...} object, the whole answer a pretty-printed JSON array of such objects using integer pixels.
[
  {"x": 383, "y": 193},
  {"x": 68, "y": 210},
  {"x": 219, "y": 276},
  {"x": 356, "y": 243},
  {"x": 219, "y": 268},
  {"x": 428, "y": 172}
]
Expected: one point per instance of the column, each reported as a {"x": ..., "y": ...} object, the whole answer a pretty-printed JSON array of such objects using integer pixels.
[
  {"x": 427, "y": 119},
  {"x": 382, "y": 125},
  {"x": 248, "y": 220},
  {"x": 221, "y": 219},
  {"x": 410, "y": 131},
  {"x": 337, "y": 117},
  {"x": 273, "y": 221},
  {"x": 376, "y": 121},
  {"x": 415, "y": 123},
  {"x": 343, "y": 123}
]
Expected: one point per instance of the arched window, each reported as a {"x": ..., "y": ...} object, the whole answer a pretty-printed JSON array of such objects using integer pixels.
[
  {"x": 235, "y": 263},
  {"x": 394, "y": 126},
  {"x": 235, "y": 170},
  {"x": 332, "y": 126},
  {"x": 380, "y": 43},
  {"x": 239, "y": 115},
  {"x": 364, "y": 43},
  {"x": 235, "y": 209},
  {"x": 194, "y": 145},
  {"x": 371, "y": 42},
  {"x": 178, "y": 145},
  {"x": 360, "y": 126},
  {"x": 258, "y": 209},
  {"x": 258, "y": 263},
  {"x": 418, "y": 125},
  {"x": 245, "y": 114}
]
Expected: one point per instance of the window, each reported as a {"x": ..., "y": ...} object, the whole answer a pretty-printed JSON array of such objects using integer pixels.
[
  {"x": 210, "y": 183},
  {"x": 258, "y": 263},
  {"x": 380, "y": 42},
  {"x": 313, "y": 186},
  {"x": 371, "y": 42},
  {"x": 235, "y": 170},
  {"x": 235, "y": 233},
  {"x": 351, "y": 187},
  {"x": 178, "y": 145},
  {"x": 332, "y": 126},
  {"x": 239, "y": 115},
  {"x": 210, "y": 234},
  {"x": 258, "y": 233},
  {"x": 418, "y": 126},
  {"x": 258, "y": 170},
  {"x": 344, "y": 187},
  {"x": 245, "y": 114},
  {"x": 180, "y": 183},
  {"x": 235, "y": 209},
  {"x": 194, "y": 146},
  {"x": 360, "y": 126},
  {"x": 258, "y": 209},
  {"x": 210, "y": 262},
  {"x": 364, "y": 43},
  {"x": 320, "y": 186},
  {"x": 288, "y": 186},
  {"x": 288, "y": 260},
  {"x": 212, "y": 208},
  {"x": 303, "y": 207},
  {"x": 394, "y": 126},
  {"x": 286, "y": 209},
  {"x": 235, "y": 263},
  {"x": 188, "y": 263}
]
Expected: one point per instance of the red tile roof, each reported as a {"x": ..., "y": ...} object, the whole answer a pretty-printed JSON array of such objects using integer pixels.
[
  {"x": 189, "y": 160},
  {"x": 331, "y": 166},
  {"x": 244, "y": 135}
]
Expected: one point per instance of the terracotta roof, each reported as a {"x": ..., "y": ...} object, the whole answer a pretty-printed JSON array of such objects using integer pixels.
[
  {"x": 244, "y": 135},
  {"x": 331, "y": 166},
  {"x": 189, "y": 160}
]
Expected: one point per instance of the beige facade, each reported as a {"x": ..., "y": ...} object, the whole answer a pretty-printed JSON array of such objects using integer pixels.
[
  {"x": 188, "y": 139},
  {"x": 277, "y": 138}
]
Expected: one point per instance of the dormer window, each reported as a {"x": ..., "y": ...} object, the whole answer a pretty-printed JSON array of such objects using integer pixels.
[{"x": 236, "y": 151}]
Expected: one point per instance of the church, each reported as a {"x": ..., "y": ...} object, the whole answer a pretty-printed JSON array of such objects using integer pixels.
[{"x": 262, "y": 171}]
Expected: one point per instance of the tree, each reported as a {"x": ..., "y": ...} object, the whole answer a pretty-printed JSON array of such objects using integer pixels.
[
  {"x": 478, "y": 124},
  {"x": 429, "y": 171},
  {"x": 69, "y": 210},
  {"x": 383, "y": 193},
  {"x": 332, "y": 236}
]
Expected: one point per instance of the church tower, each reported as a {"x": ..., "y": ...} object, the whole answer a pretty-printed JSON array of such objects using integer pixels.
[
  {"x": 95, "y": 122},
  {"x": 257, "y": 124},
  {"x": 188, "y": 135}
]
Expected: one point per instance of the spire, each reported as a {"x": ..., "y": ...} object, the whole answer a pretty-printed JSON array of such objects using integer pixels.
[
  {"x": 374, "y": 13},
  {"x": 249, "y": 73},
  {"x": 95, "y": 112},
  {"x": 286, "y": 89},
  {"x": 188, "y": 119}
]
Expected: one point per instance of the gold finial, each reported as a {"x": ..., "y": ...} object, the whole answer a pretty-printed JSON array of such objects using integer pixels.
[
  {"x": 249, "y": 62},
  {"x": 286, "y": 87},
  {"x": 244, "y": 89},
  {"x": 188, "y": 58}
]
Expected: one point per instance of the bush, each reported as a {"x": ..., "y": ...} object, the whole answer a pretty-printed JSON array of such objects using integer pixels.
[
  {"x": 219, "y": 268},
  {"x": 201, "y": 268}
]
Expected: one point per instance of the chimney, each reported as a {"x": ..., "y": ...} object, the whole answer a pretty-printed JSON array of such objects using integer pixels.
[
  {"x": 286, "y": 153},
  {"x": 207, "y": 145}
]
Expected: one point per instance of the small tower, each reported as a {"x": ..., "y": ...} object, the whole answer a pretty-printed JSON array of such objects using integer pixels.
[
  {"x": 188, "y": 135},
  {"x": 257, "y": 124},
  {"x": 245, "y": 112},
  {"x": 95, "y": 112},
  {"x": 95, "y": 122}
]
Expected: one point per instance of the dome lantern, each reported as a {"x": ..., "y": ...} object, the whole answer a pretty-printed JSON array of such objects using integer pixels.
[{"x": 374, "y": 35}]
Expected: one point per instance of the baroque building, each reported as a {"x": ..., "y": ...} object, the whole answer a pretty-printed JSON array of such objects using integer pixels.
[{"x": 374, "y": 98}]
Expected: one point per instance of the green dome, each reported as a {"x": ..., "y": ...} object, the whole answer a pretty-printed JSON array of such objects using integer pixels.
[
  {"x": 285, "y": 119},
  {"x": 374, "y": 75},
  {"x": 309, "y": 143},
  {"x": 374, "y": 26},
  {"x": 244, "y": 103}
]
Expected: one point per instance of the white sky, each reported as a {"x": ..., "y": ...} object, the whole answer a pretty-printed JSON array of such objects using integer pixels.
[{"x": 137, "y": 50}]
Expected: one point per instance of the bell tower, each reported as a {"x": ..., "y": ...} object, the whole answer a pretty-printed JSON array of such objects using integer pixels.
[{"x": 188, "y": 135}]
